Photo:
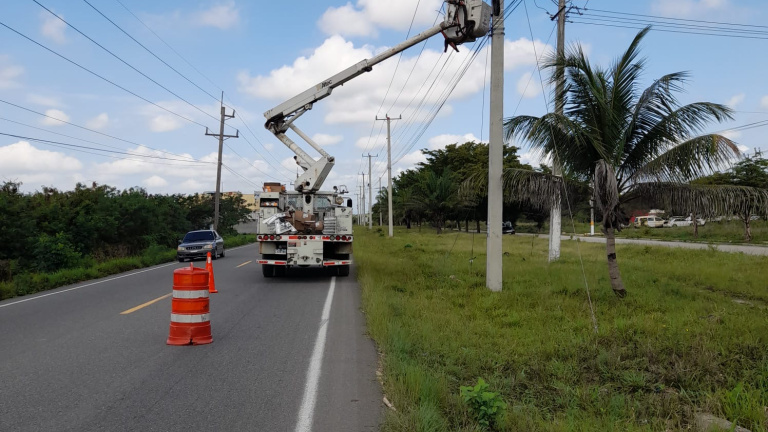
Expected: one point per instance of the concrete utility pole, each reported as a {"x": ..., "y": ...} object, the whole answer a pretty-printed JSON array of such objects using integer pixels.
[
  {"x": 389, "y": 170},
  {"x": 555, "y": 213},
  {"x": 370, "y": 193},
  {"x": 493, "y": 270},
  {"x": 363, "y": 209},
  {"x": 221, "y": 136}
]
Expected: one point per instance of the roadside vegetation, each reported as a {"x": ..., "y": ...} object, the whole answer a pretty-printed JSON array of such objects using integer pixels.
[
  {"x": 52, "y": 238},
  {"x": 691, "y": 337}
]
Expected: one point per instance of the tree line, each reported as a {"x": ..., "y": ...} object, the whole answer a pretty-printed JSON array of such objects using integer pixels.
[{"x": 51, "y": 229}]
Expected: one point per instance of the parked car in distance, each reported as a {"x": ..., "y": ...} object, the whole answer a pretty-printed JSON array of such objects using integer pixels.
[
  {"x": 699, "y": 221},
  {"x": 677, "y": 221},
  {"x": 649, "y": 221},
  {"x": 197, "y": 244},
  {"x": 507, "y": 228}
]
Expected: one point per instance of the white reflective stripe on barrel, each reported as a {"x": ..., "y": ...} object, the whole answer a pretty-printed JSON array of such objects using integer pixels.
[
  {"x": 189, "y": 319},
  {"x": 190, "y": 294}
]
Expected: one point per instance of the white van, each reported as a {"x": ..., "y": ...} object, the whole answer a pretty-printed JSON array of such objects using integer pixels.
[{"x": 649, "y": 221}]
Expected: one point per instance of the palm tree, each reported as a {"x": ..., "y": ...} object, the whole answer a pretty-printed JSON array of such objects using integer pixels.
[
  {"x": 630, "y": 143},
  {"x": 435, "y": 196}
]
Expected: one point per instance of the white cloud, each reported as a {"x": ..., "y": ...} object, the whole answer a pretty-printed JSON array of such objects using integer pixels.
[
  {"x": 523, "y": 52},
  {"x": 688, "y": 8},
  {"x": 55, "y": 118},
  {"x": 743, "y": 148},
  {"x": 731, "y": 134},
  {"x": 326, "y": 140},
  {"x": 164, "y": 123},
  {"x": 764, "y": 102},
  {"x": 48, "y": 101},
  {"x": 528, "y": 87},
  {"x": 441, "y": 141},
  {"x": 222, "y": 16},
  {"x": 22, "y": 160},
  {"x": 160, "y": 120},
  {"x": 9, "y": 73},
  {"x": 155, "y": 182},
  {"x": 366, "y": 16},
  {"x": 98, "y": 122},
  {"x": 53, "y": 28},
  {"x": 735, "y": 100}
]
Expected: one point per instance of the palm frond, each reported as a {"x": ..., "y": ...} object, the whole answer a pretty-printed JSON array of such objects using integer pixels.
[
  {"x": 705, "y": 200},
  {"x": 527, "y": 187},
  {"x": 675, "y": 126},
  {"x": 693, "y": 158}
]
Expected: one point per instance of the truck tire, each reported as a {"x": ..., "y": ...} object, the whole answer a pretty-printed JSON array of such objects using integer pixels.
[
  {"x": 280, "y": 271},
  {"x": 343, "y": 270},
  {"x": 268, "y": 270}
]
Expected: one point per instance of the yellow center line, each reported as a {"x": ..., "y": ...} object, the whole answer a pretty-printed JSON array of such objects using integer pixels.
[
  {"x": 145, "y": 304},
  {"x": 245, "y": 263}
]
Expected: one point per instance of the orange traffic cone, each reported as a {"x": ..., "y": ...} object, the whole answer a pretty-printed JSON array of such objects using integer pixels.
[
  {"x": 211, "y": 281},
  {"x": 190, "y": 308}
]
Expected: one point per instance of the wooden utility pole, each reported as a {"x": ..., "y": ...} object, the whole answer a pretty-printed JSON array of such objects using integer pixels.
[
  {"x": 493, "y": 270},
  {"x": 555, "y": 213},
  {"x": 389, "y": 170},
  {"x": 221, "y": 137}
]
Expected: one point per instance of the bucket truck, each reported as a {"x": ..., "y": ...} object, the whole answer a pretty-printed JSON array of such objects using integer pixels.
[{"x": 309, "y": 227}]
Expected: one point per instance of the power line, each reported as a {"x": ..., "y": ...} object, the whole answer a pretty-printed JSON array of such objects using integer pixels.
[
  {"x": 125, "y": 62},
  {"x": 231, "y": 105},
  {"x": 99, "y": 76},
  {"x": 676, "y": 19},
  {"x": 98, "y": 149},
  {"x": 672, "y": 24},
  {"x": 88, "y": 129},
  {"x": 149, "y": 51},
  {"x": 170, "y": 47},
  {"x": 666, "y": 31}
]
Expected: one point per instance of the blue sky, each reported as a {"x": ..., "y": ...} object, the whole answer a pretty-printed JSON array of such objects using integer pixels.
[{"x": 261, "y": 53}]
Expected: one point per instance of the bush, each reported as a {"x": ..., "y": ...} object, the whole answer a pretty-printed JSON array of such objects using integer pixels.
[
  {"x": 54, "y": 252},
  {"x": 487, "y": 407}
]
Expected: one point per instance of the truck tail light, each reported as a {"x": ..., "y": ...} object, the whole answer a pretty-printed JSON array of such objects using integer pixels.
[
  {"x": 344, "y": 238},
  {"x": 271, "y": 237}
]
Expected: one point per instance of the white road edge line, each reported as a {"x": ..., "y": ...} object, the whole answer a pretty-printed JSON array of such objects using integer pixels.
[
  {"x": 84, "y": 286},
  {"x": 307, "y": 410},
  {"x": 99, "y": 282}
]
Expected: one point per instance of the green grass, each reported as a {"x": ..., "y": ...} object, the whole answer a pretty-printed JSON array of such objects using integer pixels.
[
  {"x": 678, "y": 342},
  {"x": 30, "y": 283},
  {"x": 711, "y": 232}
]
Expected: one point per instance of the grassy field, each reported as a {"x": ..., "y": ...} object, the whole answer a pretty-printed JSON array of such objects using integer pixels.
[
  {"x": 30, "y": 283},
  {"x": 711, "y": 232},
  {"x": 691, "y": 335}
]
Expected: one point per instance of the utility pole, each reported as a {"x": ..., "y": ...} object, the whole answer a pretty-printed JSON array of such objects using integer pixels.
[
  {"x": 389, "y": 170},
  {"x": 379, "y": 194},
  {"x": 370, "y": 193},
  {"x": 493, "y": 270},
  {"x": 555, "y": 213},
  {"x": 362, "y": 193},
  {"x": 221, "y": 136}
]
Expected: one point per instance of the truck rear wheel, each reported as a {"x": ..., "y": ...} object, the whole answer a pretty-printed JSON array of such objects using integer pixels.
[
  {"x": 268, "y": 270},
  {"x": 343, "y": 270},
  {"x": 280, "y": 271}
]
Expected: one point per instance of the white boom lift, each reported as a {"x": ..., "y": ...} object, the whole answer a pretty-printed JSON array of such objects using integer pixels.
[{"x": 328, "y": 222}]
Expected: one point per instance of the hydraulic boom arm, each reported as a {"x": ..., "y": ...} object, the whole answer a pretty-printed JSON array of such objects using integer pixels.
[{"x": 465, "y": 20}]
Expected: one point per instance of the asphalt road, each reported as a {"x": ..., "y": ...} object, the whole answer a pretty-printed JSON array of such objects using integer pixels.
[{"x": 70, "y": 361}]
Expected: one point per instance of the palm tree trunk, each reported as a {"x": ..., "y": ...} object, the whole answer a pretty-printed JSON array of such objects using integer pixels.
[
  {"x": 613, "y": 266},
  {"x": 478, "y": 225},
  {"x": 466, "y": 223},
  {"x": 747, "y": 228},
  {"x": 695, "y": 225}
]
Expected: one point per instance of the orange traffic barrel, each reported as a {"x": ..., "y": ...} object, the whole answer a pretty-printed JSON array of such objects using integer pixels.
[{"x": 190, "y": 318}]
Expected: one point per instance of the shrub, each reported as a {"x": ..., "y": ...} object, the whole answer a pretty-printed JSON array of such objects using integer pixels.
[
  {"x": 54, "y": 252},
  {"x": 486, "y": 407}
]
